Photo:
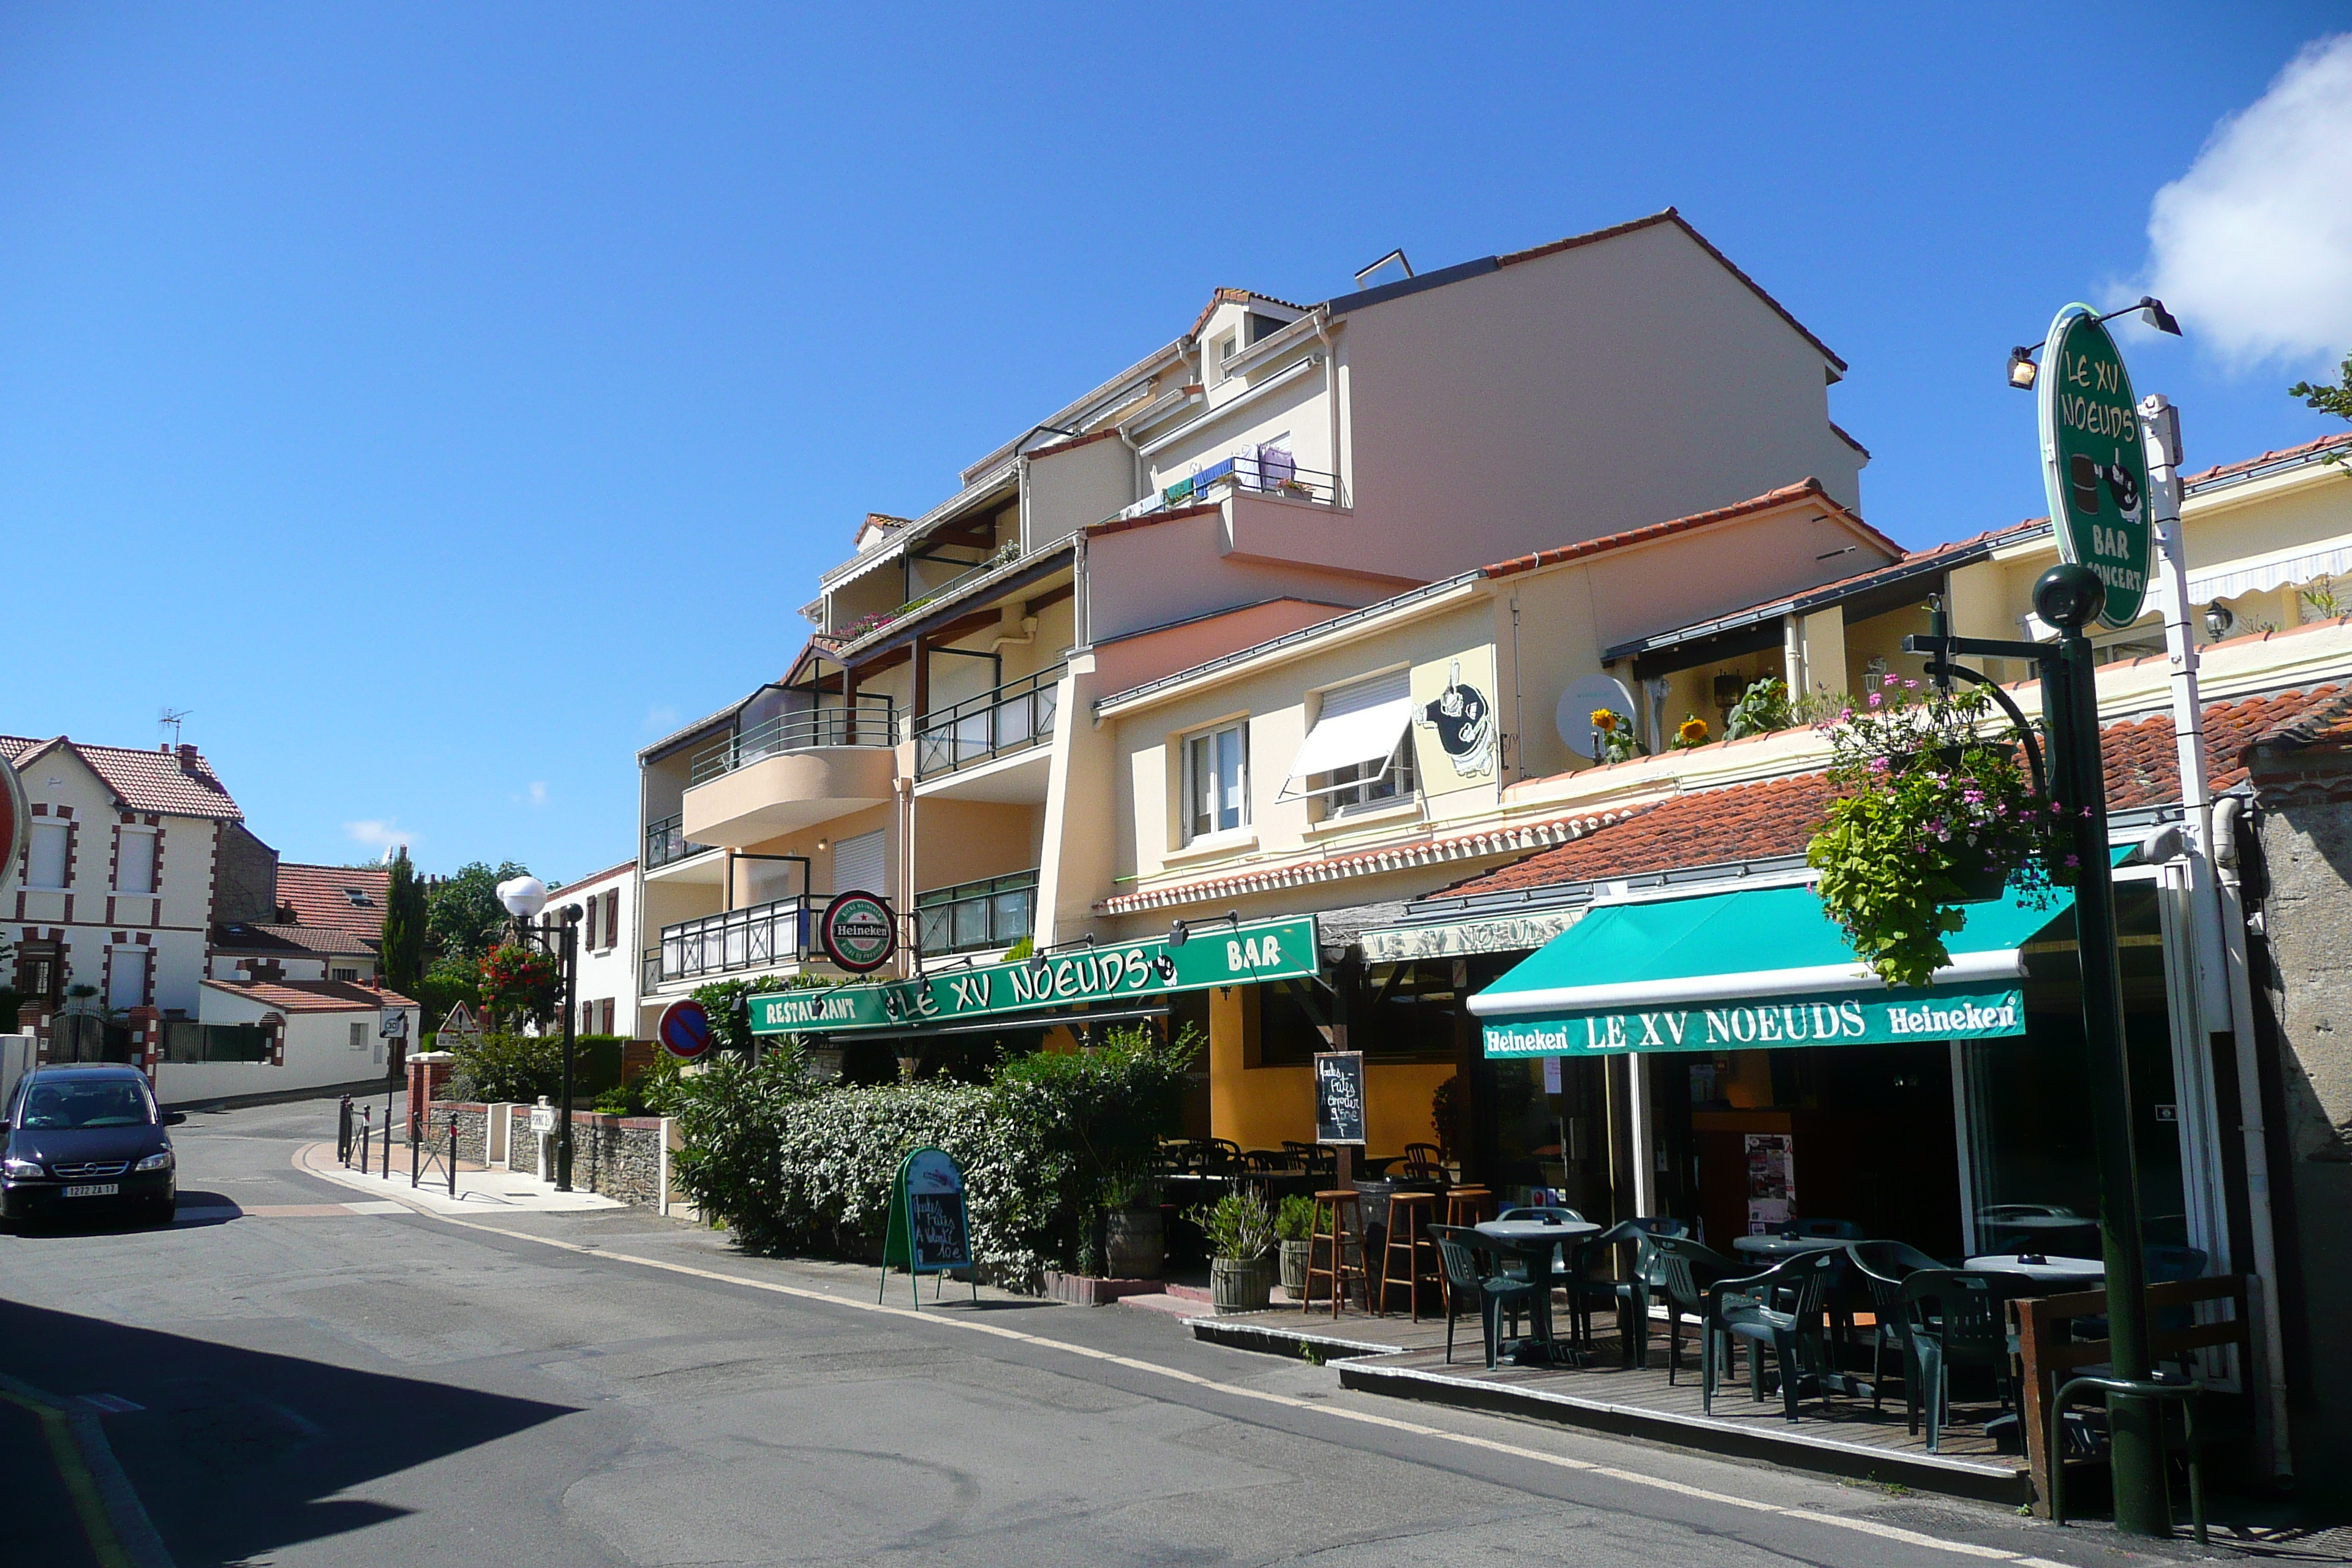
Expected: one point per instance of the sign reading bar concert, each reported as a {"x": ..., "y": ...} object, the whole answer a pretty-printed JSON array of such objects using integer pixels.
[
  {"x": 2093, "y": 466},
  {"x": 1268, "y": 950},
  {"x": 1978, "y": 1011}
]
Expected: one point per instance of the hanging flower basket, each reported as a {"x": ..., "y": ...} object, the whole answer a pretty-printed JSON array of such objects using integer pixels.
[
  {"x": 1932, "y": 815},
  {"x": 521, "y": 982}
]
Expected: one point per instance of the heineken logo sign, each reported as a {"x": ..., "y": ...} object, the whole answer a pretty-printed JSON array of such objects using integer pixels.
[
  {"x": 1856, "y": 1018},
  {"x": 2093, "y": 466},
  {"x": 858, "y": 932}
]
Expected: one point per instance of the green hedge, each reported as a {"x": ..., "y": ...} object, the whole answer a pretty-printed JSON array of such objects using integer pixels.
[{"x": 792, "y": 1166}]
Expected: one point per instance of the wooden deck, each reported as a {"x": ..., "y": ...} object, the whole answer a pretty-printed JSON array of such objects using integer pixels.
[{"x": 1841, "y": 1435}]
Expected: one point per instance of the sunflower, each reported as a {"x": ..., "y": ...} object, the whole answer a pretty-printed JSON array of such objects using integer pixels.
[
  {"x": 1693, "y": 732},
  {"x": 1604, "y": 721}
]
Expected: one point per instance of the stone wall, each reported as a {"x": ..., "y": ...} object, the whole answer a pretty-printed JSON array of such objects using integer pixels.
[
  {"x": 617, "y": 1156},
  {"x": 2299, "y": 883}
]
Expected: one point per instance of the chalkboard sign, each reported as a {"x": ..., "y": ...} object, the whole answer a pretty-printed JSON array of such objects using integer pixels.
[
  {"x": 1340, "y": 1096},
  {"x": 929, "y": 1231}
]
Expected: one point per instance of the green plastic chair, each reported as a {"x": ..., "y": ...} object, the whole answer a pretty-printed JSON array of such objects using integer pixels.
[
  {"x": 1956, "y": 1319},
  {"x": 1686, "y": 1269},
  {"x": 1882, "y": 1266},
  {"x": 1782, "y": 1308},
  {"x": 1586, "y": 1283},
  {"x": 1462, "y": 1252}
]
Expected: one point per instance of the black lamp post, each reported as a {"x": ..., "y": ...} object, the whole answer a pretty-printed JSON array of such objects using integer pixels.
[{"x": 524, "y": 898}]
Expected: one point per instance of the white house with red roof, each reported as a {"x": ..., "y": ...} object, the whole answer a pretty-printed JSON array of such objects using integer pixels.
[
  {"x": 607, "y": 981},
  {"x": 140, "y": 882}
]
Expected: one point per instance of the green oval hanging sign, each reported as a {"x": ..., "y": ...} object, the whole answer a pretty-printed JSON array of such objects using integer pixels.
[{"x": 2093, "y": 463}]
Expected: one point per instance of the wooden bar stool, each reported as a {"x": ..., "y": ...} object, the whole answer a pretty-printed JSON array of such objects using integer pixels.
[
  {"x": 1339, "y": 1220},
  {"x": 1410, "y": 1215},
  {"x": 1467, "y": 1205}
]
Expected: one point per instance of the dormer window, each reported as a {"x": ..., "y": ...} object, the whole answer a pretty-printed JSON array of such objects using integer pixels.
[
  {"x": 360, "y": 898},
  {"x": 1222, "y": 348}
]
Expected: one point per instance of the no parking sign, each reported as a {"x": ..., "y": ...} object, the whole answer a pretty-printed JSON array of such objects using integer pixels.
[{"x": 685, "y": 1030}]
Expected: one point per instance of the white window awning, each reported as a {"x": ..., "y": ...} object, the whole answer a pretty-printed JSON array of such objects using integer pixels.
[
  {"x": 2260, "y": 575},
  {"x": 1359, "y": 726}
]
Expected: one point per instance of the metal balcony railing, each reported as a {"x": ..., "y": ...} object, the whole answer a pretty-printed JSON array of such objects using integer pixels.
[
  {"x": 1267, "y": 473},
  {"x": 1014, "y": 717},
  {"x": 763, "y": 936},
  {"x": 869, "y": 721},
  {"x": 667, "y": 841},
  {"x": 976, "y": 916}
]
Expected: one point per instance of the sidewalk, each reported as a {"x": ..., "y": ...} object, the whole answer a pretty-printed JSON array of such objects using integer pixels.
[{"x": 480, "y": 1192}]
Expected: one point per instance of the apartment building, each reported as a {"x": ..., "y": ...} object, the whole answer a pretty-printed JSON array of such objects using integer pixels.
[{"x": 1272, "y": 466}]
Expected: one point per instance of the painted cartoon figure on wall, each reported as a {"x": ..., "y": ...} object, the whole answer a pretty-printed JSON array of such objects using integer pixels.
[{"x": 1464, "y": 721}]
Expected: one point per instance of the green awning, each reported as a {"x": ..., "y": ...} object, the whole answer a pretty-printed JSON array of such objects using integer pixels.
[{"x": 1686, "y": 974}]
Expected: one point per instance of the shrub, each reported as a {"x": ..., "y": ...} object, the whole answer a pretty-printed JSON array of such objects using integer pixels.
[
  {"x": 1239, "y": 1226},
  {"x": 1295, "y": 1218},
  {"x": 524, "y": 1067}
]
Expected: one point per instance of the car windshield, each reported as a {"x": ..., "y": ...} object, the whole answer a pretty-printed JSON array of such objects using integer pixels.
[{"x": 114, "y": 1103}]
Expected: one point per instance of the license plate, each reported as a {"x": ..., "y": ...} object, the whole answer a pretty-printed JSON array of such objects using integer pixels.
[{"x": 95, "y": 1190}]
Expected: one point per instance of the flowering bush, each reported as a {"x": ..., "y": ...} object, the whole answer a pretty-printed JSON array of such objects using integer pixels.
[
  {"x": 1931, "y": 813},
  {"x": 520, "y": 984},
  {"x": 1762, "y": 709}
]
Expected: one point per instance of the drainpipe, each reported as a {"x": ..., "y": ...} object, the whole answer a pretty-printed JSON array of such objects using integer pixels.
[
  {"x": 906, "y": 872},
  {"x": 2252, "y": 1130},
  {"x": 1331, "y": 399}
]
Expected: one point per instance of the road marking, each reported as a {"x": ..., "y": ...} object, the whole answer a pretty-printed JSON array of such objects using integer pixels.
[
  {"x": 1341, "y": 1413},
  {"x": 290, "y": 1211},
  {"x": 112, "y": 1521}
]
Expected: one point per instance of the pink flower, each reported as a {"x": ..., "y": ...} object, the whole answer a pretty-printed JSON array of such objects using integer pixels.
[
  {"x": 1887, "y": 679},
  {"x": 1873, "y": 699}
]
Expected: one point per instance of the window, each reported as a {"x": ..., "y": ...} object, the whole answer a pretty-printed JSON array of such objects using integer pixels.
[
  {"x": 348, "y": 975},
  {"x": 1219, "y": 351},
  {"x": 604, "y": 1015},
  {"x": 613, "y": 917},
  {"x": 857, "y": 864},
  {"x": 126, "y": 978},
  {"x": 360, "y": 898},
  {"x": 1216, "y": 781},
  {"x": 134, "y": 861},
  {"x": 45, "y": 863},
  {"x": 38, "y": 973},
  {"x": 587, "y": 1017},
  {"x": 1360, "y": 784},
  {"x": 359, "y": 1036},
  {"x": 588, "y": 925},
  {"x": 216, "y": 1043},
  {"x": 1359, "y": 751}
]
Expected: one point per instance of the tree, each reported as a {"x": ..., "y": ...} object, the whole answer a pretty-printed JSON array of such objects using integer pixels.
[
  {"x": 405, "y": 918},
  {"x": 464, "y": 918},
  {"x": 2329, "y": 397}
]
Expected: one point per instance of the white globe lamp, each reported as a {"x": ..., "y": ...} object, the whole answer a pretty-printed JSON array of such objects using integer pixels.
[{"x": 523, "y": 897}]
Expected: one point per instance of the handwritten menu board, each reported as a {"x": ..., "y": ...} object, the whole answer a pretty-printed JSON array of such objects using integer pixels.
[
  {"x": 929, "y": 1231},
  {"x": 1340, "y": 1096}
]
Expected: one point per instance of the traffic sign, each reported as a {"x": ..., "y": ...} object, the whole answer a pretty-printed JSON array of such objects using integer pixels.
[
  {"x": 858, "y": 932},
  {"x": 2094, "y": 465},
  {"x": 458, "y": 1026},
  {"x": 11, "y": 821},
  {"x": 685, "y": 1030},
  {"x": 393, "y": 1023}
]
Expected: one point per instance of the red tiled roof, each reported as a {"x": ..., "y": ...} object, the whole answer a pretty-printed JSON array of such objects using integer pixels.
[
  {"x": 178, "y": 782},
  {"x": 2324, "y": 723},
  {"x": 317, "y": 897},
  {"x": 1237, "y": 297},
  {"x": 1802, "y": 490},
  {"x": 313, "y": 995},
  {"x": 1779, "y": 816},
  {"x": 1152, "y": 519},
  {"x": 578, "y": 882},
  {"x": 258, "y": 936},
  {"x": 2224, "y": 470},
  {"x": 1673, "y": 216},
  {"x": 1907, "y": 559}
]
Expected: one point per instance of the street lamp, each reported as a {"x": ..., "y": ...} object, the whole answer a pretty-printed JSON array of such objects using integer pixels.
[
  {"x": 524, "y": 898},
  {"x": 2023, "y": 373}
]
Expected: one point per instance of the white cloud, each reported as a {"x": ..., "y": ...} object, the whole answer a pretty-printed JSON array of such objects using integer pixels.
[
  {"x": 378, "y": 833},
  {"x": 2252, "y": 247},
  {"x": 536, "y": 795}
]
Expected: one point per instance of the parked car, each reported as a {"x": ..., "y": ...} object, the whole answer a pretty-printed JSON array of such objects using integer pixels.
[{"x": 82, "y": 1137}]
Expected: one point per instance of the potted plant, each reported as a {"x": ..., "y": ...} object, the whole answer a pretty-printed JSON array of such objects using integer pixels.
[
  {"x": 520, "y": 984},
  {"x": 1240, "y": 1229},
  {"x": 1612, "y": 735},
  {"x": 1932, "y": 813},
  {"x": 1292, "y": 1223},
  {"x": 1133, "y": 1246}
]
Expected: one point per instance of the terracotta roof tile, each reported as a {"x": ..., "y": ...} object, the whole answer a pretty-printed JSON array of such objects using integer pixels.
[
  {"x": 321, "y": 896},
  {"x": 258, "y": 936},
  {"x": 577, "y": 883},
  {"x": 313, "y": 995},
  {"x": 178, "y": 782},
  {"x": 1802, "y": 490},
  {"x": 1237, "y": 297},
  {"x": 1778, "y": 817},
  {"x": 2224, "y": 470}
]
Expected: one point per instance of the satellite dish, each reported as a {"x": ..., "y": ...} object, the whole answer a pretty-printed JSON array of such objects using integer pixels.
[{"x": 1573, "y": 718}]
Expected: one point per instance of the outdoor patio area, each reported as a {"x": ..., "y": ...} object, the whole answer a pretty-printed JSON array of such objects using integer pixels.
[{"x": 1844, "y": 1436}]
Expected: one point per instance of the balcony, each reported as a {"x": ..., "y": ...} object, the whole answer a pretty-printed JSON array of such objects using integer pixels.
[
  {"x": 976, "y": 917},
  {"x": 666, "y": 842},
  {"x": 1014, "y": 718},
  {"x": 765, "y": 936},
  {"x": 1268, "y": 471},
  {"x": 791, "y": 772}
]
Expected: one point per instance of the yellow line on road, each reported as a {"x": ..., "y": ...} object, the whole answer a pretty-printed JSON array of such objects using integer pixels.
[
  {"x": 1340, "y": 1412},
  {"x": 80, "y": 1485}
]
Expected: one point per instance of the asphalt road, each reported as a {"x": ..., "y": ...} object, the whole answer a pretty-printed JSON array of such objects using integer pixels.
[{"x": 615, "y": 1388}]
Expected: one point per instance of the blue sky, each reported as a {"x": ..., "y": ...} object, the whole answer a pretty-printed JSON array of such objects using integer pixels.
[{"x": 413, "y": 392}]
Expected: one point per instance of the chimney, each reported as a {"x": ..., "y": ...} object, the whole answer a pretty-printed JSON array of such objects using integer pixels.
[{"x": 188, "y": 758}]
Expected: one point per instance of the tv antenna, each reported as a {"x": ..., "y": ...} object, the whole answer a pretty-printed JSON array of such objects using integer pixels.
[{"x": 169, "y": 718}]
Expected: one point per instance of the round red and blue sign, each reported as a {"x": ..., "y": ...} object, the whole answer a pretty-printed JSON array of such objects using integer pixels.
[{"x": 685, "y": 1030}]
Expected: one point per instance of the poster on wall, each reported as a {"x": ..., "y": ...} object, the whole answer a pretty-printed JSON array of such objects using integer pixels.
[
  {"x": 1771, "y": 1182},
  {"x": 1455, "y": 732}
]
